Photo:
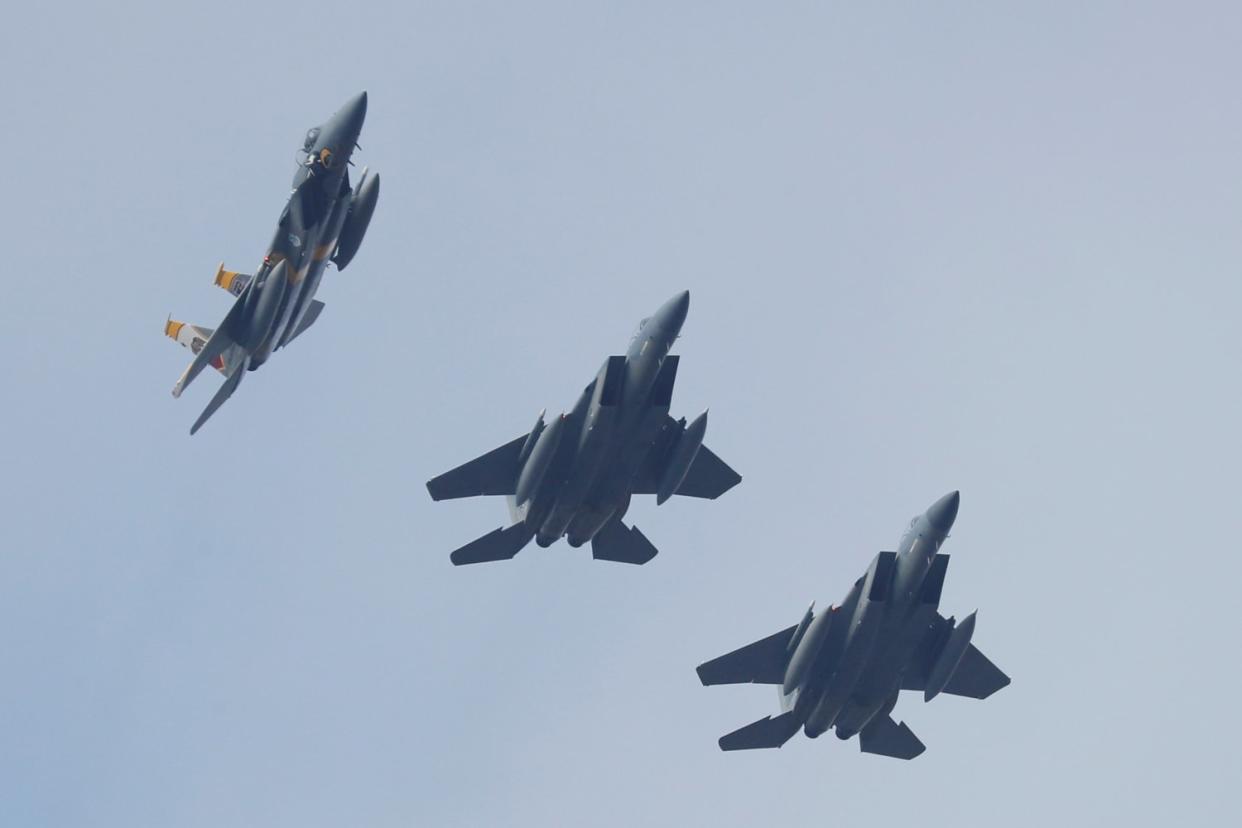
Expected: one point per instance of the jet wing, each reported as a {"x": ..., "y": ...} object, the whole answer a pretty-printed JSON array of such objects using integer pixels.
[
  {"x": 976, "y": 677},
  {"x": 760, "y": 663},
  {"x": 709, "y": 477},
  {"x": 495, "y": 473}
]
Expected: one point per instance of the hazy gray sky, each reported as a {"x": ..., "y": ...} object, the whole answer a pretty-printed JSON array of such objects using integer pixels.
[{"x": 930, "y": 246}]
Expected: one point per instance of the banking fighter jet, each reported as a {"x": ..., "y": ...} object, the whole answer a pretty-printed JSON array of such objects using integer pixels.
[
  {"x": 574, "y": 476},
  {"x": 324, "y": 221},
  {"x": 844, "y": 668}
]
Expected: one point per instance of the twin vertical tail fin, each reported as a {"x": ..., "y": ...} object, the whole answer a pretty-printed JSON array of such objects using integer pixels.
[
  {"x": 232, "y": 281},
  {"x": 212, "y": 347},
  {"x": 215, "y": 347},
  {"x": 193, "y": 337}
]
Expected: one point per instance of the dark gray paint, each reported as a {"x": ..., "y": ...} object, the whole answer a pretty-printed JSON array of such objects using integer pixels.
[
  {"x": 844, "y": 669},
  {"x": 277, "y": 303},
  {"x": 574, "y": 477}
]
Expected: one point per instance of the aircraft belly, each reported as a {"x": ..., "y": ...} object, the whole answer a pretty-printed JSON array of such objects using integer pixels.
[
  {"x": 893, "y": 653},
  {"x": 603, "y": 474},
  {"x": 634, "y": 444},
  {"x": 855, "y": 652},
  {"x": 855, "y": 716}
]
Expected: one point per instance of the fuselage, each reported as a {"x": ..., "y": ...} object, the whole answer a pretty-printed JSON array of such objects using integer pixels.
[
  {"x": 848, "y": 666},
  {"x": 602, "y": 442},
  {"x": 309, "y": 226}
]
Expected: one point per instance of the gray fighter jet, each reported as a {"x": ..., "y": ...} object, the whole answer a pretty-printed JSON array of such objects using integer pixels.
[
  {"x": 324, "y": 221},
  {"x": 843, "y": 669},
  {"x": 574, "y": 476}
]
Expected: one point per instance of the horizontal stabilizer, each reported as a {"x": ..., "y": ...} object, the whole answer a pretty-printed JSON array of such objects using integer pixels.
[
  {"x": 622, "y": 544},
  {"x": 976, "y": 677},
  {"x": 765, "y": 733},
  {"x": 499, "y": 545},
  {"x": 885, "y": 737},
  {"x": 495, "y": 473},
  {"x": 763, "y": 662},
  {"x": 223, "y": 393},
  {"x": 312, "y": 313}
]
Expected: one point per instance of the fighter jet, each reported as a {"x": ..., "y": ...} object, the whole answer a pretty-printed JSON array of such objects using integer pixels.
[
  {"x": 574, "y": 476},
  {"x": 324, "y": 221},
  {"x": 843, "y": 669}
]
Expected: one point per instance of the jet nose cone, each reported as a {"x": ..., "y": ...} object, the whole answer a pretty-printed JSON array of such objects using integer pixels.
[
  {"x": 355, "y": 110},
  {"x": 346, "y": 124},
  {"x": 943, "y": 512},
  {"x": 682, "y": 303},
  {"x": 672, "y": 314}
]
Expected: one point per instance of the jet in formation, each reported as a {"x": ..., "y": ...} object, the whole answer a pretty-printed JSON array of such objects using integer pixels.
[
  {"x": 324, "y": 221},
  {"x": 574, "y": 477},
  {"x": 843, "y": 669}
]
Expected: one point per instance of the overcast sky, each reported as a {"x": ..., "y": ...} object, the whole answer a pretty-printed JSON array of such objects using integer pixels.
[{"x": 929, "y": 247}]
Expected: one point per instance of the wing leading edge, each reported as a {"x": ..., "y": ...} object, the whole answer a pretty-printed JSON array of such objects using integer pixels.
[
  {"x": 495, "y": 473},
  {"x": 762, "y": 662}
]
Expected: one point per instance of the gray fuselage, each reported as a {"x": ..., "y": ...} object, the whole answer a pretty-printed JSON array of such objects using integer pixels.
[
  {"x": 588, "y": 458},
  {"x": 306, "y": 234},
  {"x": 847, "y": 668}
]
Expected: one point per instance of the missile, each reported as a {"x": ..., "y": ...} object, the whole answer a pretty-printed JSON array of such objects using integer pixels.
[
  {"x": 684, "y": 451},
  {"x": 950, "y": 656}
]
